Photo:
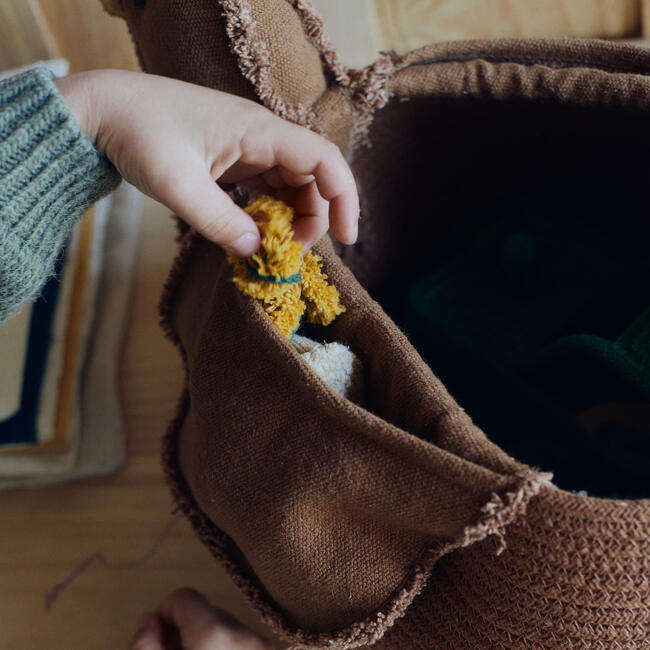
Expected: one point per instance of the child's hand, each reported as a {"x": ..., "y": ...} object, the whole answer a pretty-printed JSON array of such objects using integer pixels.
[
  {"x": 187, "y": 621},
  {"x": 173, "y": 140}
]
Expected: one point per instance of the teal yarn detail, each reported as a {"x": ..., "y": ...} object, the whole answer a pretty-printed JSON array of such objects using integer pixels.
[
  {"x": 50, "y": 174},
  {"x": 292, "y": 279}
]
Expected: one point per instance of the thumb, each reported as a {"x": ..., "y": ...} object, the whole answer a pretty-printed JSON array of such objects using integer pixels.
[
  {"x": 197, "y": 199},
  {"x": 149, "y": 635}
]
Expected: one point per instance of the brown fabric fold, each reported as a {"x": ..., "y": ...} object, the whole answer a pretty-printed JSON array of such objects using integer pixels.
[
  {"x": 344, "y": 505},
  {"x": 399, "y": 523}
]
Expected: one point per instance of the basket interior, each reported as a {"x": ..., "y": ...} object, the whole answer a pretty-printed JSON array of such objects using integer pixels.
[{"x": 511, "y": 241}]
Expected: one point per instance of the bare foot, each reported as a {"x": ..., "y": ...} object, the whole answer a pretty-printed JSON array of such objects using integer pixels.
[{"x": 187, "y": 621}]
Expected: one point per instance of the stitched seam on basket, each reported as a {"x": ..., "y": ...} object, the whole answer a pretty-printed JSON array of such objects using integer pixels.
[{"x": 571, "y": 63}]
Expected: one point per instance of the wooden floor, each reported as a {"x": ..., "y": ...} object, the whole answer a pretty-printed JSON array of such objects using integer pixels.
[{"x": 45, "y": 533}]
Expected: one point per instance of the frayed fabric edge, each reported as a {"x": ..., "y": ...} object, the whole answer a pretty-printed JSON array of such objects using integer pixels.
[
  {"x": 187, "y": 240},
  {"x": 366, "y": 89},
  {"x": 254, "y": 62},
  {"x": 316, "y": 33}
]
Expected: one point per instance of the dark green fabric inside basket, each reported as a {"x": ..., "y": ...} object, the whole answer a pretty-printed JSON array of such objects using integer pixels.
[
  {"x": 520, "y": 269},
  {"x": 539, "y": 305}
]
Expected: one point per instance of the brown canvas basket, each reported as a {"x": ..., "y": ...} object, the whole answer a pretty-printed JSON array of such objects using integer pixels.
[{"x": 398, "y": 522}]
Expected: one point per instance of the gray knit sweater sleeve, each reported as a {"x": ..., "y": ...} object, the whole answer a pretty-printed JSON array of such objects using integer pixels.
[{"x": 50, "y": 172}]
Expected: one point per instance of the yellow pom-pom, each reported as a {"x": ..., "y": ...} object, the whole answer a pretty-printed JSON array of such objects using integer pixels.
[
  {"x": 278, "y": 276},
  {"x": 323, "y": 304},
  {"x": 286, "y": 311},
  {"x": 279, "y": 256}
]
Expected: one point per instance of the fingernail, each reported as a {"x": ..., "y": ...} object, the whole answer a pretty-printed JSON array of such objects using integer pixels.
[{"x": 245, "y": 245}]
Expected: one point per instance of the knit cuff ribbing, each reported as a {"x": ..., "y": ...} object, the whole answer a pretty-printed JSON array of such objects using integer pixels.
[{"x": 50, "y": 173}]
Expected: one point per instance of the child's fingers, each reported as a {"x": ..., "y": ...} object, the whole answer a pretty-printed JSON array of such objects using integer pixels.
[
  {"x": 294, "y": 180},
  {"x": 279, "y": 177},
  {"x": 273, "y": 179},
  {"x": 188, "y": 611},
  {"x": 201, "y": 625},
  {"x": 311, "y": 209},
  {"x": 303, "y": 152},
  {"x": 311, "y": 215},
  {"x": 149, "y": 635},
  {"x": 198, "y": 200}
]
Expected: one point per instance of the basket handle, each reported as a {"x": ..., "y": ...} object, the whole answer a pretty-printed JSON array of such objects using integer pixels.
[{"x": 272, "y": 51}]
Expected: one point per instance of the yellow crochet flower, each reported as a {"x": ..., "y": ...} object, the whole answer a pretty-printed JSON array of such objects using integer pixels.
[{"x": 284, "y": 282}]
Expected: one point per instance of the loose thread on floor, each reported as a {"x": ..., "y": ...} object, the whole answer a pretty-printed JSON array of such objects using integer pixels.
[{"x": 52, "y": 594}]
